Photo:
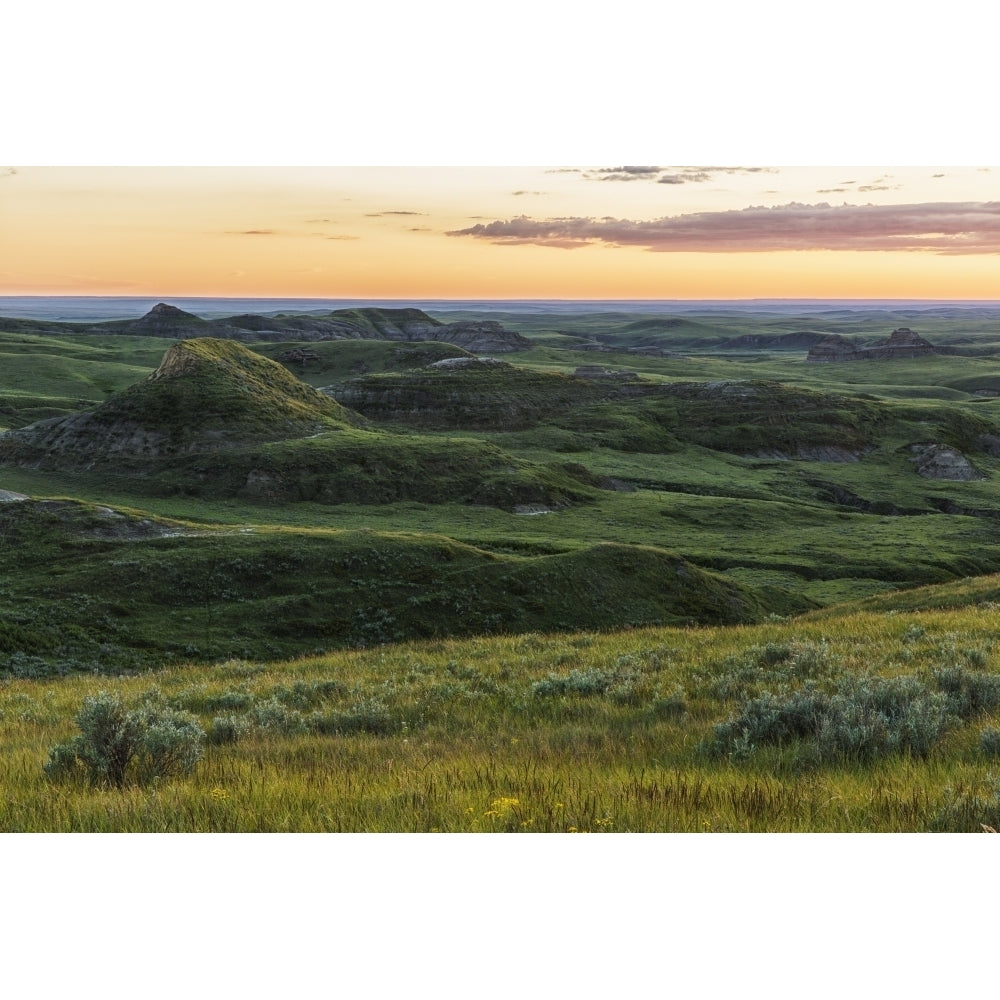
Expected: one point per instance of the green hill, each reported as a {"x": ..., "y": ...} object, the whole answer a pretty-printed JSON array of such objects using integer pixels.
[
  {"x": 95, "y": 589},
  {"x": 969, "y": 593},
  {"x": 205, "y": 395}
]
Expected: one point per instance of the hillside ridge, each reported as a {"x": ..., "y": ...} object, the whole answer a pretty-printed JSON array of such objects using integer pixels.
[{"x": 370, "y": 323}]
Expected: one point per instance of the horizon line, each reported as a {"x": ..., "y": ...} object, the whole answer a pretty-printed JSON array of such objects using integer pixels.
[{"x": 372, "y": 298}]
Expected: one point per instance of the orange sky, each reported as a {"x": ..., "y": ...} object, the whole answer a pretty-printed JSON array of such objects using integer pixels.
[{"x": 604, "y": 231}]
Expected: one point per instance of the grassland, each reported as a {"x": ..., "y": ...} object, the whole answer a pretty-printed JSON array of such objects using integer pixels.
[
  {"x": 558, "y": 733},
  {"x": 709, "y": 622}
]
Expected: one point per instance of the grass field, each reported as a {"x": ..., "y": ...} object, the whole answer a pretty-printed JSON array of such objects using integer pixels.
[
  {"x": 511, "y": 600},
  {"x": 647, "y": 730}
]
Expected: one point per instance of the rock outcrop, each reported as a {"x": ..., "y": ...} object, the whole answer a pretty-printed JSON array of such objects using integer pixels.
[
  {"x": 457, "y": 363},
  {"x": 938, "y": 461},
  {"x": 478, "y": 337},
  {"x": 901, "y": 343},
  {"x": 168, "y": 321},
  {"x": 468, "y": 393},
  {"x": 834, "y": 349},
  {"x": 812, "y": 453}
]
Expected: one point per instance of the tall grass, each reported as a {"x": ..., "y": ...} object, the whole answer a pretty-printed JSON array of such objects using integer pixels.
[{"x": 570, "y": 733}]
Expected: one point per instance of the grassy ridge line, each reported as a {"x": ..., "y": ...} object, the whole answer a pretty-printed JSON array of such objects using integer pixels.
[
  {"x": 826, "y": 553},
  {"x": 974, "y": 592},
  {"x": 561, "y": 733},
  {"x": 377, "y": 467},
  {"x": 90, "y": 589}
]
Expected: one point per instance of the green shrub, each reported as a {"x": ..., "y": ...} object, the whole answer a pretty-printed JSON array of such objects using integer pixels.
[
  {"x": 579, "y": 682},
  {"x": 873, "y": 717},
  {"x": 773, "y": 719},
  {"x": 273, "y": 716},
  {"x": 968, "y": 693},
  {"x": 229, "y": 729},
  {"x": 673, "y": 706},
  {"x": 867, "y": 717},
  {"x": 114, "y": 744},
  {"x": 304, "y": 694},
  {"x": 989, "y": 741},
  {"x": 368, "y": 716},
  {"x": 171, "y": 741},
  {"x": 23, "y": 665},
  {"x": 774, "y": 663}
]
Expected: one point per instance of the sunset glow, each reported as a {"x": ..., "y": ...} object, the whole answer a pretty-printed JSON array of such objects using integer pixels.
[{"x": 601, "y": 232}]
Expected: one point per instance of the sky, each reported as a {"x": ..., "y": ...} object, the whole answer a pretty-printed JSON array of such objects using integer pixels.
[{"x": 601, "y": 231}]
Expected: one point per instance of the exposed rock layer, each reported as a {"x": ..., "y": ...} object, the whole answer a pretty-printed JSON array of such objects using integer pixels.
[
  {"x": 938, "y": 461},
  {"x": 901, "y": 343}
]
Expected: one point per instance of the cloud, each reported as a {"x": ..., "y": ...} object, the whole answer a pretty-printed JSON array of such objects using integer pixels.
[
  {"x": 378, "y": 215},
  {"x": 564, "y": 170},
  {"x": 831, "y": 190},
  {"x": 685, "y": 177},
  {"x": 879, "y": 184},
  {"x": 516, "y": 193},
  {"x": 342, "y": 237},
  {"x": 253, "y": 232},
  {"x": 625, "y": 173},
  {"x": 8, "y": 172},
  {"x": 670, "y": 175},
  {"x": 938, "y": 227}
]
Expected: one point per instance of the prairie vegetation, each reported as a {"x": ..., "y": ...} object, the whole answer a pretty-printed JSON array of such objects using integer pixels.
[
  {"x": 710, "y": 590},
  {"x": 875, "y": 721}
]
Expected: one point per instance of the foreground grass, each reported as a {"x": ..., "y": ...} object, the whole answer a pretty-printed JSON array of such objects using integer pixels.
[{"x": 579, "y": 733}]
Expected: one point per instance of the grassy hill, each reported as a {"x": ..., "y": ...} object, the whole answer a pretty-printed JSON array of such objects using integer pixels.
[
  {"x": 101, "y": 590},
  {"x": 206, "y": 394}
]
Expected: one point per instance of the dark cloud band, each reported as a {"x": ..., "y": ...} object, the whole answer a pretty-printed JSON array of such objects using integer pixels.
[{"x": 939, "y": 227}]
